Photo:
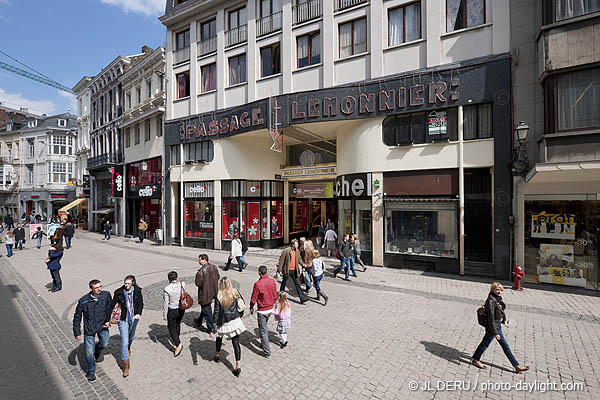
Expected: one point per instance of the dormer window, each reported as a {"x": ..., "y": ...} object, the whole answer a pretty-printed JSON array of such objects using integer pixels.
[
  {"x": 62, "y": 122},
  {"x": 32, "y": 124},
  {"x": 178, "y": 2},
  {"x": 9, "y": 126}
]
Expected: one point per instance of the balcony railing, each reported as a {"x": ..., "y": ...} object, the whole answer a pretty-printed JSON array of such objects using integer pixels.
[
  {"x": 268, "y": 24},
  {"x": 105, "y": 159},
  {"x": 181, "y": 55},
  {"x": 207, "y": 46},
  {"x": 306, "y": 11},
  {"x": 342, "y": 4},
  {"x": 236, "y": 35}
]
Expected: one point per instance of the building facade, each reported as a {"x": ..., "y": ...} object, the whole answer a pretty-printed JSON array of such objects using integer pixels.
[
  {"x": 82, "y": 146},
  {"x": 557, "y": 93},
  {"x": 142, "y": 126},
  {"x": 397, "y": 128}
]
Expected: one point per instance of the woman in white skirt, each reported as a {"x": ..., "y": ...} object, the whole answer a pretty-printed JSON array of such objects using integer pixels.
[{"x": 228, "y": 321}]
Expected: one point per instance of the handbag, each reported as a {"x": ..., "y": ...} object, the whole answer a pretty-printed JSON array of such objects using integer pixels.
[
  {"x": 241, "y": 304},
  {"x": 115, "y": 315},
  {"x": 185, "y": 300}
]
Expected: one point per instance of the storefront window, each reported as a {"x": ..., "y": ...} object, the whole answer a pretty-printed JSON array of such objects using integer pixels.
[
  {"x": 561, "y": 245},
  {"x": 276, "y": 219},
  {"x": 254, "y": 223},
  {"x": 362, "y": 224},
  {"x": 264, "y": 223},
  {"x": 345, "y": 216},
  {"x": 199, "y": 219},
  {"x": 231, "y": 217},
  {"x": 148, "y": 174},
  {"x": 421, "y": 228},
  {"x": 299, "y": 216}
]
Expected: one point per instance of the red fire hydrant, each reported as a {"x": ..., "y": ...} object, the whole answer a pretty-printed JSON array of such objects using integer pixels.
[{"x": 518, "y": 273}]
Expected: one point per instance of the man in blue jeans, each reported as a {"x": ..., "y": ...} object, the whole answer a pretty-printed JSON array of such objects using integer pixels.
[
  {"x": 345, "y": 249},
  {"x": 94, "y": 307}
]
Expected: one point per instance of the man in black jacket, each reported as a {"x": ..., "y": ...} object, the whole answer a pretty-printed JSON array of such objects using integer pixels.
[
  {"x": 345, "y": 249},
  {"x": 68, "y": 233},
  {"x": 94, "y": 307},
  {"x": 19, "y": 233},
  {"x": 9, "y": 222}
]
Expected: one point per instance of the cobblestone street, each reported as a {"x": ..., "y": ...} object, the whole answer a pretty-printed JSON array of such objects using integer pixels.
[{"x": 378, "y": 334}]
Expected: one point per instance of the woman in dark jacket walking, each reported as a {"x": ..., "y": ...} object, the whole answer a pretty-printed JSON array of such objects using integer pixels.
[
  {"x": 129, "y": 297},
  {"x": 228, "y": 321},
  {"x": 55, "y": 254},
  {"x": 495, "y": 317}
]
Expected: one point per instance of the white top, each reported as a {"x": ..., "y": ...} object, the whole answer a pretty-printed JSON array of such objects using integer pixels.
[
  {"x": 317, "y": 267},
  {"x": 236, "y": 248},
  {"x": 171, "y": 296},
  {"x": 330, "y": 235}
]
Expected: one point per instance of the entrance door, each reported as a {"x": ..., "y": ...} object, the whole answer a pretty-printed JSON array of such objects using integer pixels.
[{"x": 29, "y": 207}]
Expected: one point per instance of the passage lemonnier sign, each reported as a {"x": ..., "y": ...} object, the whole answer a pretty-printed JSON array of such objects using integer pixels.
[{"x": 308, "y": 171}]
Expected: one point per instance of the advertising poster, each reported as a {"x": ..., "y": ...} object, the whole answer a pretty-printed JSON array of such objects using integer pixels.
[
  {"x": 265, "y": 220},
  {"x": 437, "y": 123},
  {"x": 33, "y": 228},
  {"x": 557, "y": 266},
  {"x": 190, "y": 215},
  {"x": 230, "y": 220},
  {"x": 253, "y": 221},
  {"x": 277, "y": 221},
  {"x": 553, "y": 226}
]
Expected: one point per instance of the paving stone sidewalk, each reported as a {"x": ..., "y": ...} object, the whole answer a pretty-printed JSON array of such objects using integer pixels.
[{"x": 377, "y": 335}]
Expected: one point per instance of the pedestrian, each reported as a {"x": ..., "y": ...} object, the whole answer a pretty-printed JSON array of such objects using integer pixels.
[
  {"x": 9, "y": 240},
  {"x": 130, "y": 299},
  {"x": 264, "y": 295},
  {"x": 356, "y": 255},
  {"x": 142, "y": 227},
  {"x": 495, "y": 317},
  {"x": 318, "y": 271},
  {"x": 19, "y": 233},
  {"x": 282, "y": 312},
  {"x": 93, "y": 307},
  {"x": 235, "y": 253},
  {"x": 330, "y": 225},
  {"x": 228, "y": 321},
  {"x": 244, "y": 242},
  {"x": 55, "y": 254},
  {"x": 51, "y": 231},
  {"x": 207, "y": 280},
  {"x": 171, "y": 311},
  {"x": 290, "y": 264},
  {"x": 307, "y": 257},
  {"x": 68, "y": 232},
  {"x": 345, "y": 249},
  {"x": 107, "y": 229},
  {"x": 321, "y": 234},
  {"x": 38, "y": 235},
  {"x": 59, "y": 234},
  {"x": 330, "y": 239},
  {"x": 38, "y": 218},
  {"x": 9, "y": 222}
]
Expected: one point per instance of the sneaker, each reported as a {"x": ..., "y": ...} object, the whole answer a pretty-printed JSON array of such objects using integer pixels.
[
  {"x": 282, "y": 345},
  {"x": 91, "y": 378},
  {"x": 266, "y": 355}
]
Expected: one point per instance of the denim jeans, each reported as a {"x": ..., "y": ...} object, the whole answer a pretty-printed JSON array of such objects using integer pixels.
[
  {"x": 263, "y": 330},
  {"x": 206, "y": 312},
  {"x": 141, "y": 236},
  {"x": 485, "y": 342},
  {"x": 39, "y": 242},
  {"x": 20, "y": 244},
  {"x": 107, "y": 234},
  {"x": 56, "y": 281},
  {"x": 127, "y": 332},
  {"x": 9, "y": 248},
  {"x": 68, "y": 241},
  {"x": 317, "y": 280},
  {"x": 294, "y": 276},
  {"x": 348, "y": 265},
  {"x": 240, "y": 261},
  {"x": 90, "y": 345}
]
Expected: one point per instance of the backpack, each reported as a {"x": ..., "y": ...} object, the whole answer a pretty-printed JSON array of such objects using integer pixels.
[{"x": 482, "y": 316}]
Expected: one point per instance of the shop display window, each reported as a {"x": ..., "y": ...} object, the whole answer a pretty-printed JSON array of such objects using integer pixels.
[
  {"x": 276, "y": 219},
  {"x": 345, "y": 217},
  {"x": 199, "y": 219},
  {"x": 363, "y": 223},
  {"x": 231, "y": 218},
  {"x": 299, "y": 216},
  {"x": 421, "y": 228}
]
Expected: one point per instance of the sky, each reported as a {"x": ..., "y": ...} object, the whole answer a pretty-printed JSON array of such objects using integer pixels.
[{"x": 68, "y": 39}]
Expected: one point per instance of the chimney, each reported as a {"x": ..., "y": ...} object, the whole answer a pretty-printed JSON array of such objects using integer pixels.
[{"x": 147, "y": 49}]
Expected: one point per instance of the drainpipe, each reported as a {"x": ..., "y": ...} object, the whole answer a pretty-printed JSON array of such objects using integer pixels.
[
  {"x": 181, "y": 194},
  {"x": 461, "y": 193}
]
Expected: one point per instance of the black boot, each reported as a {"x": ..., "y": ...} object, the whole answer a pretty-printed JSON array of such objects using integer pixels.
[
  {"x": 322, "y": 293},
  {"x": 318, "y": 295}
]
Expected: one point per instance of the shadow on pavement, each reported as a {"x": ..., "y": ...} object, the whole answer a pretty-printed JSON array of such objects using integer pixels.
[
  {"x": 454, "y": 356},
  {"x": 160, "y": 334},
  {"x": 20, "y": 364},
  {"x": 203, "y": 348}
]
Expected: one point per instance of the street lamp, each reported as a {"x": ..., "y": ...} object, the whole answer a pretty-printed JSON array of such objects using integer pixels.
[
  {"x": 521, "y": 131},
  {"x": 520, "y": 163}
]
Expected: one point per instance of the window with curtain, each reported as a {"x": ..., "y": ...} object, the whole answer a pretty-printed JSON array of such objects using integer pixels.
[
  {"x": 477, "y": 121},
  {"x": 353, "y": 37},
  {"x": 209, "y": 77},
  {"x": 461, "y": 14},
  {"x": 237, "y": 69},
  {"x": 309, "y": 49},
  {"x": 565, "y": 9},
  {"x": 404, "y": 24},
  {"x": 577, "y": 101},
  {"x": 183, "y": 85},
  {"x": 270, "y": 60}
]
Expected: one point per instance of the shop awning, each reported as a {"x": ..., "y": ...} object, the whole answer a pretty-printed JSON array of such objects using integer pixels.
[
  {"x": 564, "y": 172},
  {"x": 103, "y": 211},
  {"x": 73, "y": 204}
]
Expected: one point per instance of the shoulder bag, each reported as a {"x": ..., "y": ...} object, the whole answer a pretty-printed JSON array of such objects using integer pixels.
[
  {"x": 115, "y": 315},
  {"x": 185, "y": 300},
  {"x": 241, "y": 304}
]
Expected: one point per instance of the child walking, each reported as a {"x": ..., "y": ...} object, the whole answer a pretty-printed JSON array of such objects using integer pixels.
[{"x": 282, "y": 313}]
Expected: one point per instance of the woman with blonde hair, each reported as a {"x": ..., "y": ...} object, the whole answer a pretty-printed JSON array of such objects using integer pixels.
[
  {"x": 307, "y": 257},
  {"x": 495, "y": 317},
  {"x": 228, "y": 320}
]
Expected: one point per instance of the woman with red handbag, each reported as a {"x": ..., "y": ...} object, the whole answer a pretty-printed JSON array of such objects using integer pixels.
[{"x": 172, "y": 312}]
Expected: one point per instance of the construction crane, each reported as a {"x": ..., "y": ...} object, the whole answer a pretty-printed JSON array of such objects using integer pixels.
[{"x": 37, "y": 78}]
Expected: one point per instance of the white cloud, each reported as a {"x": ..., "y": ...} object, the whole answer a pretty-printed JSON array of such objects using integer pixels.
[
  {"x": 147, "y": 7},
  {"x": 72, "y": 100},
  {"x": 16, "y": 100},
  {"x": 5, "y": 2}
]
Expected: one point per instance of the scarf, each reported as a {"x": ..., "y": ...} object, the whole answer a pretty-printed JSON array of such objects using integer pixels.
[{"x": 129, "y": 300}]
